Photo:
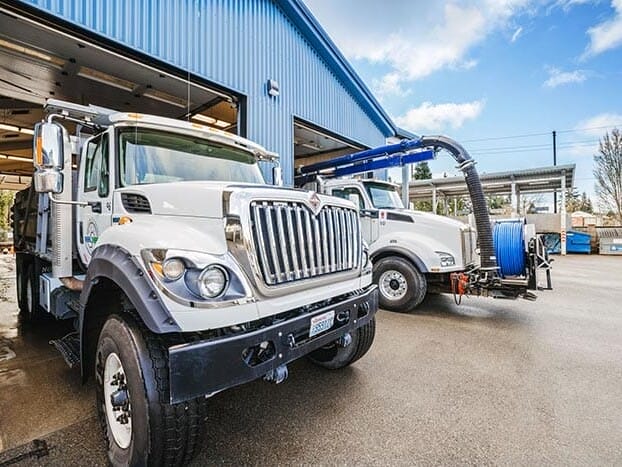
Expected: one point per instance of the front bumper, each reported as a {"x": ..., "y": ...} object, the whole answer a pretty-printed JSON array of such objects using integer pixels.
[{"x": 205, "y": 367}]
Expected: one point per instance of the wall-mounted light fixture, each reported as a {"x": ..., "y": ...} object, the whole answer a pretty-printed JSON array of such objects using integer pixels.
[{"x": 273, "y": 88}]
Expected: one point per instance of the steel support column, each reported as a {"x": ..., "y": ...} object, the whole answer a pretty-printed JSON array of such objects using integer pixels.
[{"x": 562, "y": 215}]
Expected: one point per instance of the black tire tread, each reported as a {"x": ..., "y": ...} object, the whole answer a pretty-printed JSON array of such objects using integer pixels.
[
  {"x": 178, "y": 430},
  {"x": 335, "y": 358},
  {"x": 183, "y": 423},
  {"x": 417, "y": 287},
  {"x": 365, "y": 339}
]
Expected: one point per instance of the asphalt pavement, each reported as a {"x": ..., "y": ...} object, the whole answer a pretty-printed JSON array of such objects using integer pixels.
[{"x": 487, "y": 382}]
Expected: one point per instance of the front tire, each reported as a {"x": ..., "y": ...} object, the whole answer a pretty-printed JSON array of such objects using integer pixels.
[
  {"x": 140, "y": 426},
  {"x": 334, "y": 356},
  {"x": 401, "y": 287}
]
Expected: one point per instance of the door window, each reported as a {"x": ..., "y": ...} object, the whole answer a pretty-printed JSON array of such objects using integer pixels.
[
  {"x": 96, "y": 173},
  {"x": 347, "y": 193}
]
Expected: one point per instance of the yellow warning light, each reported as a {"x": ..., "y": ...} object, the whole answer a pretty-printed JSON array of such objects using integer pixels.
[{"x": 39, "y": 151}]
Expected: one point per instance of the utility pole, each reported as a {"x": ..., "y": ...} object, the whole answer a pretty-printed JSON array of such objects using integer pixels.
[{"x": 554, "y": 163}]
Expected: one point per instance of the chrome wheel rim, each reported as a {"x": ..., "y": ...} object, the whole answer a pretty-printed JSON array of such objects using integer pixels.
[
  {"x": 393, "y": 285},
  {"x": 116, "y": 398}
]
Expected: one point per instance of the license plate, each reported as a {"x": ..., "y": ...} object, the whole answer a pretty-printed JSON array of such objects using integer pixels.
[{"x": 321, "y": 323}]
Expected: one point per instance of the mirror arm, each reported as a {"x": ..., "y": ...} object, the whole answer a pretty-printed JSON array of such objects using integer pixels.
[
  {"x": 75, "y": 203},
  {"x": 88, "y": 124}
]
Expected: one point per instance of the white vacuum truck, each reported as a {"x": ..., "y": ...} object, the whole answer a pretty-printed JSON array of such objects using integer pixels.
[{"x": 415, "y": 252}]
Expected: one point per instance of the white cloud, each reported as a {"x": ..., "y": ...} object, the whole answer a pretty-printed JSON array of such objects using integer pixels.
[
  {"x": 437, "y": 117},
  {"x": 568, "y": 4},
  {"x": 389, "y": 84},
  {"x": 583, "y": 141},
  {"x": 558, "y": 77},
  {"x": 599, "y": 124},
  {"x": 516, "y": 34},
  {"x": 414, "y": 40},
  {"x": 606, "y": 35}
]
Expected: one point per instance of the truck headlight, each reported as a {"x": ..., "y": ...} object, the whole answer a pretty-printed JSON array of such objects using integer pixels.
[
  {"x": 196, "y": 278},
  {"x": 173, "y": 269},
  {"x": 212, "y": 281},
  {"x": 446, "y": 259}
]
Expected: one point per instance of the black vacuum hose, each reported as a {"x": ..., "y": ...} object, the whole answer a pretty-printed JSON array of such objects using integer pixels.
[{"x": 476, "y": 192}]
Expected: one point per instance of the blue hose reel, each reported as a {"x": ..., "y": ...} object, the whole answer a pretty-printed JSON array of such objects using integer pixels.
[{"x": 509, "y": 240}]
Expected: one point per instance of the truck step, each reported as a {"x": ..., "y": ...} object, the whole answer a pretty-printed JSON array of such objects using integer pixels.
[{"x": 69, "y": 348}]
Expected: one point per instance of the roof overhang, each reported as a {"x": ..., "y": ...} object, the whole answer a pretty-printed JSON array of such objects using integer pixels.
[{"x": 537, "y": 180}]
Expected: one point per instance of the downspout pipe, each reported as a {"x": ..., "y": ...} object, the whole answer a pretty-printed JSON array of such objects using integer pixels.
[{"x": 480, "y": 208}]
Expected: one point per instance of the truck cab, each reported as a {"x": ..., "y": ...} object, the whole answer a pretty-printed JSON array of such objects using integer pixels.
[
  {"x": 184, "y": 273},
  {"x": 412, "y": 251}
]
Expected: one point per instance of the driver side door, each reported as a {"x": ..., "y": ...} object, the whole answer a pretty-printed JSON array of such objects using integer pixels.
[
  {"x": 94, "y": 187},
  {"x": 368, "y": 217}
]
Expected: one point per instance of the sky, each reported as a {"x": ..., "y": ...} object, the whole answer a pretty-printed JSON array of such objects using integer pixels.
[{"x": 499, "y": 76}]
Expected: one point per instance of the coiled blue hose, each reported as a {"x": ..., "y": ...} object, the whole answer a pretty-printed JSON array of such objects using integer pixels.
[{"x": 509, "y": 239}]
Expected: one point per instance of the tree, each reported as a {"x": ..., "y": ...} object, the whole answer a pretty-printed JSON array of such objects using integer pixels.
[
  {"x": 586, "y": 203},
  {"x": 498, "y": 202},
  {"x": 573, "y": 200},
  {"x": 608, "y": 172},
  {"x": 6, "y": 201},
  {"x": 422, "y": 171},
  {"x": 577, "y": 202}
]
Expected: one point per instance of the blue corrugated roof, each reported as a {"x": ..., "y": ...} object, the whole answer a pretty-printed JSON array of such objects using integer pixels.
[{"x": 311, "y": 29}]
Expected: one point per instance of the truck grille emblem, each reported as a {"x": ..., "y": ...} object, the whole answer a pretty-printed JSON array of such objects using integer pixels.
[{"x": 314, "y": 202}]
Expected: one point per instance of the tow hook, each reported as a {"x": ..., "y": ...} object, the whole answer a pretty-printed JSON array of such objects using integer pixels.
[
  {"x": 345, "y": 340},
  {"x": 278, "y": 375}
]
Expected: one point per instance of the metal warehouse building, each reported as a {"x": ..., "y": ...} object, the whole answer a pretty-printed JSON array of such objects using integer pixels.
[{"x": 262, "y": 69}]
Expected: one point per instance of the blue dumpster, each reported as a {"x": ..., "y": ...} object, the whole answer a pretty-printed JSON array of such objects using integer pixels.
[
  {"x": 552, "y": 243},
  {"x": 578, "y": 242}
]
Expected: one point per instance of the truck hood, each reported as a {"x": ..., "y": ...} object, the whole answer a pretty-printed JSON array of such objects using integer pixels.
[
  {"x": 205, "y": 199},
  {"x": 429, "y": 218}
]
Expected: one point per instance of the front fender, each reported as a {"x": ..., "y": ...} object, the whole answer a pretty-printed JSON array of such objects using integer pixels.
[
  {"x": 420, "y": 249},
  {"x": 123, "y": 269}
]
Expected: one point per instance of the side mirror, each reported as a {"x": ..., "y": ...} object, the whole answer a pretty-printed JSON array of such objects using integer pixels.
[
  {"x": 277, "y": 176},
  {"x": 48, "y": 181},
  {"x": 49, "y": 157}
]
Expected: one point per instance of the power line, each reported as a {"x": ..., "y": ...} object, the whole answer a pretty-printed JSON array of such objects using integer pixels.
[
  {"x": 531, "y": 135},
  {"x": 505, "y": 137}
]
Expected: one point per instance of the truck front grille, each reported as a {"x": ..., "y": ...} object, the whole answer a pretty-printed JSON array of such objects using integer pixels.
[
  {"x": 291, "y": 243},
  {"x": 469, "y": 245}
]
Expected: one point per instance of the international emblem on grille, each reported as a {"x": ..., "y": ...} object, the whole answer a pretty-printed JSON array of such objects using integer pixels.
[{"x": 314, "y": 203}]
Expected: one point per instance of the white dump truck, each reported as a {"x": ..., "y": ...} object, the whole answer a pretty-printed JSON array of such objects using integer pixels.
[
  {"x": 183, "y": 272},
  {"x": 415, "y": 252}
]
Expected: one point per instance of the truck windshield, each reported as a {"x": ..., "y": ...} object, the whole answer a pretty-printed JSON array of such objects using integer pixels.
[
  {"x": 153, "y": 156},
  {"x": 384, "y": 196}
]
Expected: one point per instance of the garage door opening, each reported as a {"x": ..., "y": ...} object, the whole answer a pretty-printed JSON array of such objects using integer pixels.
[
  {"x": 314, "y": 144},
  {"x": 38, "y": 61}
]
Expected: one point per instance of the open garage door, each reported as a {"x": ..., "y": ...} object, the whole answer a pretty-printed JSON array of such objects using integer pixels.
[
  {"x": 40, "y": 61},
  {"x": 314, "y": 144}
]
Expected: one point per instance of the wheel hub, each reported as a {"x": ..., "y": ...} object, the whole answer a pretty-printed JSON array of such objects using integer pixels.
[
  {"x": 117, "y": 401},
  {"x": 393, "y": 285}
]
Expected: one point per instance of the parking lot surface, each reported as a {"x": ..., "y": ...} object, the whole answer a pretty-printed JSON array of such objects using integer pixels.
[{"x": 487, "y": 382}]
